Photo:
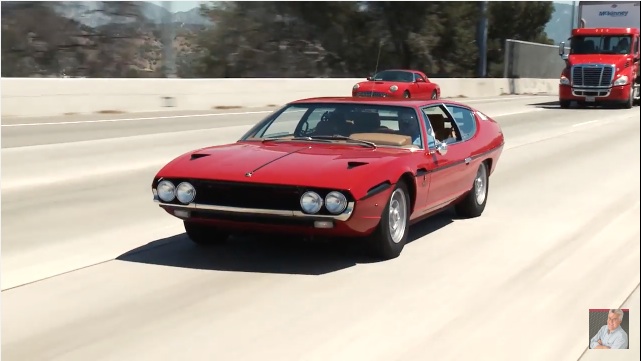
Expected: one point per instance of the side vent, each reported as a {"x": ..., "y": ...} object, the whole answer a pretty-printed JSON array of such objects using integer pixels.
[
  {"x": 351, "y": 165},
  {"x": 197, "y": 155}
]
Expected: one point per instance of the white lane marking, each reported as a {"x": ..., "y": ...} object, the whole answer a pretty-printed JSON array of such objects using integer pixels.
[
  {"x": 219, "y": 114},
  {"x": 584, "y": 123}
]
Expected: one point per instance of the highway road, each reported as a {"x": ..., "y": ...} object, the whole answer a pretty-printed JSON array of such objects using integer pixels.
[{"x": 92, "y": 269}]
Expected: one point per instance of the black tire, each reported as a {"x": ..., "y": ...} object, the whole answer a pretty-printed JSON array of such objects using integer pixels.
[
  {"x": 406, "y": 94},
  {"x": 383, "y": 244},
  {"x": 471, "y": 206},
  {"x": 564, "y": 104},
  {"x": 204, "y": 235},
  {"x": 434, "y": 95},
  {"x": 638, "y": 91},
  {"x": 630, "y": 103}
]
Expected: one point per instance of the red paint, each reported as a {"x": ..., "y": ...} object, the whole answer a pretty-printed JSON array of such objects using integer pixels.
[
  {"x": 325, "y": 165},
  {"x": 420, "y": 88}
]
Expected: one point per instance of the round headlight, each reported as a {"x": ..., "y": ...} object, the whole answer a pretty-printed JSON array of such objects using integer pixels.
[
  {"x": 393, "y": 88},
  {"x": 335, "y": 202},
  {"x": 166, "y": 191},
  {"x": 185, "y": 192},
  {"x": 356, "y": 86},
  {"x": 311, "y": 202}
]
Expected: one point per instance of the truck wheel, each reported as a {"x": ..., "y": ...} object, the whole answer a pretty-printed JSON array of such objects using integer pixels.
[
  {"x": 637, "y": 101},
  {"x": 564, "y": 104},
  {"x": 630, "y": 103}
]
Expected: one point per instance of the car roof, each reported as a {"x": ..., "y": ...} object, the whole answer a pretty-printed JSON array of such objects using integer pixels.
[{"x": 379, "y": 101}]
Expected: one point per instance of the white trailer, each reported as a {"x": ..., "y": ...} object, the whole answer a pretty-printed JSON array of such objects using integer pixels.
[{"x": 609, "y": 14}]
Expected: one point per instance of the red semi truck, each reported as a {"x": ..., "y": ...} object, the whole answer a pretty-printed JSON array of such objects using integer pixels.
[{"x": 603, "y": 63}]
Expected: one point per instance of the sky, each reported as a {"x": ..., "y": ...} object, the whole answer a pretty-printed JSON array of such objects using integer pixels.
[{"x": 181, "y": 5}]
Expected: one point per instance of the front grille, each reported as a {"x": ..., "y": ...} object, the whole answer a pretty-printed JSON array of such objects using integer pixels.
[
  {"x": 371, "y": 94},
  {"x": 251, "y": 195},
  {"x": 247, "y": 195},
  {"x": 592, "y": 75}
]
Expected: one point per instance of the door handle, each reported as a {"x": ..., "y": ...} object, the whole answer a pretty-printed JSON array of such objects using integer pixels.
[{"x": 468, "y": 160}]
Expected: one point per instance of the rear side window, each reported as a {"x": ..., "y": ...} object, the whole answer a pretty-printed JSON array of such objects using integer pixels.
[{"x": 465, "y": 121}]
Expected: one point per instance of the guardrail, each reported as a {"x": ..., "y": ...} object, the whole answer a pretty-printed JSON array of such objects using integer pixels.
[{"x": 63, "y": 96}]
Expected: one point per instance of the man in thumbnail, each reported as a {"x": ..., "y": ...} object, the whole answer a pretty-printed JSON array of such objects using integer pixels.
[{"x": 611, "y": 335}]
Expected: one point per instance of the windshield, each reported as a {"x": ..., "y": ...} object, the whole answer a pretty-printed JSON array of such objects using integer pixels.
[
  {"x": 348, "y": 123},
  {"x": 394, "y": 75},
  {"x": 609, "y": 44}
]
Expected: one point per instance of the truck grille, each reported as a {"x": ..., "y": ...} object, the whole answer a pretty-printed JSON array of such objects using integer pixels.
[{"x": 592, "y": 75}]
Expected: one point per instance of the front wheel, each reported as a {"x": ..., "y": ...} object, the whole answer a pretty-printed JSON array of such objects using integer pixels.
[
  {"x": 564, "y": 104},
  {"x": 474, "y": 202},
  {"x": 630, "y": 102},
  {"x": 204, "y": 235},
  {"x": 389, "y": 238}
]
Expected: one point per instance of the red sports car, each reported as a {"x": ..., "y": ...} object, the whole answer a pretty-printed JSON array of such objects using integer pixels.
[
  {"x": 337, "y": 166},
  {"x": 398, "y": 84}
]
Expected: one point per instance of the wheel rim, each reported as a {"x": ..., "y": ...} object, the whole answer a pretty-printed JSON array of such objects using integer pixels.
[
  {"x": 480, "y": 185},
  {"x": 406, "y": 95},
  {"x": 433, "y": 95},
  {"x": 397, "y": 215}
]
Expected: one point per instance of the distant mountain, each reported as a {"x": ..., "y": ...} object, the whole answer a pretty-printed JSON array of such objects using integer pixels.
[
  {"x": 560, "y": 26},
  {"x": 87, "y": 13}
]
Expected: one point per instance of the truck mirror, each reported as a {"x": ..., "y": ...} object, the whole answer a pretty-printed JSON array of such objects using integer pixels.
[{"x": 562, "y": 48}]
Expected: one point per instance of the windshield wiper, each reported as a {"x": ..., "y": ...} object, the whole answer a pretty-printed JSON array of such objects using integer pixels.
[
  {"x": 342, "y": 137},
  {"x": 285, "y": 138}
]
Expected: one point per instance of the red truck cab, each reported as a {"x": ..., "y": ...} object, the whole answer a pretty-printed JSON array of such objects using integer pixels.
[{"x": 601, "y": 67}]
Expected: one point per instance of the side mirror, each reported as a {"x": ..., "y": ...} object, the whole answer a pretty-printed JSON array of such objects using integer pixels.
[
  {"x": 441, "y": 148},
  {"x": 420, "y": 80},
  {"x": 562, "y": 48},
  {"x": 369, "y": 78}
]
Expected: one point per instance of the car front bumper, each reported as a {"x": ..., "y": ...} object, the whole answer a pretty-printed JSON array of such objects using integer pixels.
[{"x": 359, "y": 219}]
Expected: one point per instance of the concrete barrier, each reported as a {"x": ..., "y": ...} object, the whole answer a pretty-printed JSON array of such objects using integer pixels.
[{"x": 59, "y": 96}]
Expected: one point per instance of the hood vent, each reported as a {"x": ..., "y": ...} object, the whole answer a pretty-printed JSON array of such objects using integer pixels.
[
  {"x": 353, "y": 164},
  {"x": 198, "y": 155}
]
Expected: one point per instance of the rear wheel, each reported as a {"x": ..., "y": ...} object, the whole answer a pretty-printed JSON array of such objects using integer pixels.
[
  {"x": 406, "y": 94},
  {"x": 474, "y": 202},
  {"x": 434, "y": 95},
  {"x": 389, "y": 238},
  {"x": 204, "y": 235}
]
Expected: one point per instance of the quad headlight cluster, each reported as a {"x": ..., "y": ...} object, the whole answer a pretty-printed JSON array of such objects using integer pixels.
[
  {"x": 311, "y": 202},
  {"x": 184, "y": 192}
]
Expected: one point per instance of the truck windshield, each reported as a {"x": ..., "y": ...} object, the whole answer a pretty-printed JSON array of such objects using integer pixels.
[{"x": 608, "y": 44}]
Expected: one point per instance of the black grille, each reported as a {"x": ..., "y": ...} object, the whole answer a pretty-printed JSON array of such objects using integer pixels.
[
  {"x": 371, "y": 94},
  {"x": 247, "y": 195},
  {"x": 251, "y": 195},
  {"x": 592, "y": 76}
]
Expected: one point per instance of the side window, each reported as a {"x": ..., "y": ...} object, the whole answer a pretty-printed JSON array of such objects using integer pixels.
[
  {"x": 635, "y": 49},
  {"x": 465, "y": 121},
  {"x": 441, "y": 126}
]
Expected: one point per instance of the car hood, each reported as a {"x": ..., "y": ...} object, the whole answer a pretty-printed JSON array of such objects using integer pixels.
[
  {"x": 287, "y": 163},
  {"x": 616, "y": 59},
  {"x": 377, "y": 85}
]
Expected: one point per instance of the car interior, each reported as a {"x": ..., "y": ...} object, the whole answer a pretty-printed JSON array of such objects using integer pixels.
[{"x": 383, "y": 129}]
